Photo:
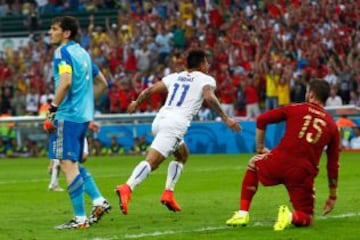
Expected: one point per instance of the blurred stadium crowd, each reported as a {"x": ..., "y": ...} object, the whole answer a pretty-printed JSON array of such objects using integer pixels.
[{"x": 262, "y": 53}]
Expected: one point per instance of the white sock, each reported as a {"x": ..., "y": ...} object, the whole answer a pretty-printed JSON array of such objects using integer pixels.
[
  {"x": 80, "y": 218},
  {"x": 54, "y": 181},
  {"x": 242, "y": 212},
  {"x": 99, "y": 201},
  {"x": 174, "y": 171},
  {"x": 140, "y": 172}
]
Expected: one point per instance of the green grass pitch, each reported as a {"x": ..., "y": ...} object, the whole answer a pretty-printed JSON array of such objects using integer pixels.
[{"x": 208, "y": 192}]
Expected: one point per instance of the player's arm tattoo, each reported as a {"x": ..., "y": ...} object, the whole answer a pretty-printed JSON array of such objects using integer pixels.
[
  {"x": 144, "y": 95},
  {"x": 158, "y": 87},
  {"x": 213, "y": 102}
]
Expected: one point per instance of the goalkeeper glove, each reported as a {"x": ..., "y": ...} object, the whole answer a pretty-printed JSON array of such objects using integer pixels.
[
  {"x": 48, "y": 126},
  {"x": 50, "y": 115}
]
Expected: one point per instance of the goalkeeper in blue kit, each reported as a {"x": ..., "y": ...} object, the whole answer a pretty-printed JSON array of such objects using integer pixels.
[{"x": 78, "y": 82}]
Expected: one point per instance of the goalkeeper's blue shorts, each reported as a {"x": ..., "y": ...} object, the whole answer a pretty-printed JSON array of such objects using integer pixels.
[{"x": 67, "y": 142}]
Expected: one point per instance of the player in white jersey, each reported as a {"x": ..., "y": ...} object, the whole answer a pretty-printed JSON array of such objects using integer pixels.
[{"x": 186, "y": 92}]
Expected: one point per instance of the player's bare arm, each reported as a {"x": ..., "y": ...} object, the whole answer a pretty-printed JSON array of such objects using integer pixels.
[
  {"x": 260, "y": 146},
  {"x": 145, "y": 94},
  {"x": 214, "y": 104},
  {"x": 63, "y": 88},
  {"x": 332, "y": 187},
  {"x": 331, "y": 200},
  {"x": 100, "y": 85},
  {"x": 332, "y": 167}
]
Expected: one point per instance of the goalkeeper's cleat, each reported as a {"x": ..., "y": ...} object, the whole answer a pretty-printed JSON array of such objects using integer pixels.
[
  {"x": 124, "y": 194},
  {"x": 238, "y": 219},
  {"x": 284, "y": 218},
  {"x": 98, "y": 211},
  {"x": 168, "y": 199},
  {"x": 73, "y": 224}
]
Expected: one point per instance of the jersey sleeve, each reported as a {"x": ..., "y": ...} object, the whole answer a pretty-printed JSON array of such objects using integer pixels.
[
  {"x": 95, "y": 69},
  {"x": 209, "y": 81},
  {"x": 167, "y": 80},
  {"x": 62, "y": 61},
  {"x": 272, "y": 116}
]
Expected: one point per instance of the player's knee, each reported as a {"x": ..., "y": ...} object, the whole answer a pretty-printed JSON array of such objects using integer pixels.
[
  {"x": 83, "y": 171},
  {"x": 154, "y": 158},
  {"x": 154, "y": 163},
  {"x": 182, "y": 153},
  {"x": 181, "y": 158},
  {"x": 69, "y": 168}
]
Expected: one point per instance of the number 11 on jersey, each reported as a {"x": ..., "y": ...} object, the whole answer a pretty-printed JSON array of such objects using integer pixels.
[{"x": 176, "y": 92}]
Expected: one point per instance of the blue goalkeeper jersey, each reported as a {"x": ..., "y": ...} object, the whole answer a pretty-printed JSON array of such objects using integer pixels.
[{"x": 78, "y": 104}]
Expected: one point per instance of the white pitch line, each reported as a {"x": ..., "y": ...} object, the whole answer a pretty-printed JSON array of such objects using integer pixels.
[
  {"x": 117, "y": 175},
  {"x": 345, "y": 215},
  {"x": 206, "y": 229},
  {"x": 23, "y": 181},
  {"x": 173, "y": 232}
]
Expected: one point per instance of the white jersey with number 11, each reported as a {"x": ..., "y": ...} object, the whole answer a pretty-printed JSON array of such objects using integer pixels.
[{"x": 185, "y": 93}]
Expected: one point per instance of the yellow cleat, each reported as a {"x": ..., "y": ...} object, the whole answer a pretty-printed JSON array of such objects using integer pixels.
[
  {"x": 238, "y": 219},
  {"x": 284, "y": 218}
]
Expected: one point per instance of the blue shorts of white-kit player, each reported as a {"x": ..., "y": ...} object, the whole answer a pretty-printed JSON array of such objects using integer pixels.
[{"x": 67, "y": 142}]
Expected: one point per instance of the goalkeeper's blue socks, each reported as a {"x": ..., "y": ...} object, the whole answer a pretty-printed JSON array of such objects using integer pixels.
[
  {"x": 90, "y": 186},
  {"x": 76, "y": 192}
]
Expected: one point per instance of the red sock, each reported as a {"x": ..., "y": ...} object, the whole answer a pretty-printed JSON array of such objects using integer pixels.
[
  {"x": 301, "y": 219},
  {"x": 248, "y": 189}
]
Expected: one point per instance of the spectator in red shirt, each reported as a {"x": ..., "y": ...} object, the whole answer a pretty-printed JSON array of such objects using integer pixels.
[
  {"x": 126, "y": 94},
  {"x": 226, "y": 92},
  {"x": 5, "y": 71},
  {"x": 114, "y": 97},
  {"x": 130, "y": 63},
  {"x": 113, "y": 61},
  {"x": 216, "y": 16}
]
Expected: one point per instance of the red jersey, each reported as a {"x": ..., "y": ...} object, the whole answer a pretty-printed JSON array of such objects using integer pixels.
[
  {"x": 309, "y": 128},
  {"x": 251, "y": 94}
]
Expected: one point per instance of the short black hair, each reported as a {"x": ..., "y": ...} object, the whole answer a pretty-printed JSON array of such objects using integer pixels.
[
  {"x": 320, "y": 88},
  {"x": 68, "y": 23},
  {"x": 195, "y": 58}
]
